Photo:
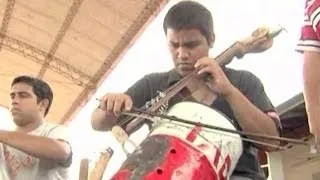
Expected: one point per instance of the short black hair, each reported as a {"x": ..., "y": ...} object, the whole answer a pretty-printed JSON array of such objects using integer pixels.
[
  {"x": 40, "y": 88},
  {"x": 189, "y": 14}
]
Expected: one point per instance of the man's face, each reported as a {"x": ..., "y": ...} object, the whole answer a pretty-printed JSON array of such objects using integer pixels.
[
  {"x": 24, "y": 106},
  {"x": 186, "y": 47}
]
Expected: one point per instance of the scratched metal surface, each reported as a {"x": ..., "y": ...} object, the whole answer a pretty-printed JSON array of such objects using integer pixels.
[{"x": 146, "y": 157}]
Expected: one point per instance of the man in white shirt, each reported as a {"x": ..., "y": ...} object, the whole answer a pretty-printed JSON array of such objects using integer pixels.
[{"x": 34, "y": 150}]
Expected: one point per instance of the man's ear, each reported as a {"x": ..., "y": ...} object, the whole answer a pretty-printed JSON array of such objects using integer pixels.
[
  {"x": 44, "y": 104},
  {"x": 211, "y": 40}
]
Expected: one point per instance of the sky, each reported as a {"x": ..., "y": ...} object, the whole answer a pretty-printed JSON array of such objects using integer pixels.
[{"x": 279, "y": 68}]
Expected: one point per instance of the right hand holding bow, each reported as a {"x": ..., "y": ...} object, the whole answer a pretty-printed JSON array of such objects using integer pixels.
[{"x": 115, "y": 103}]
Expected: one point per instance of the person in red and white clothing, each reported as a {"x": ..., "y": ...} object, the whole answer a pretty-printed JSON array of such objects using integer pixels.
[{"x": 309, "y": 45}]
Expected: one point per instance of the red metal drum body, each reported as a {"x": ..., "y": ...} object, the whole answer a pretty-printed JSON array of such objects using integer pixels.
[
  {"x": 178, "y": 151},
  {"x": 165, "y": 157}
]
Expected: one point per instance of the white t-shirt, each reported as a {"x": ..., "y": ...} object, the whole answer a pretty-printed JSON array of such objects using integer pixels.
[{"x": 17, "y": 165}]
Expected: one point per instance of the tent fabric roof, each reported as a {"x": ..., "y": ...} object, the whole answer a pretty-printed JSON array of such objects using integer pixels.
[{"x": 72, "y": 45}]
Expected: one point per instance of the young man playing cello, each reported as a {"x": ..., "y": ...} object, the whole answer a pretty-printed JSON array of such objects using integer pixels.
[{"x": 240, "y": 95}]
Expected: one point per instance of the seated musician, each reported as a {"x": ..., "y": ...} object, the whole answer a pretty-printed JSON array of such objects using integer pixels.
[
  {"x": 240, "y": 94},
  {"x": 35, "y": 150}
]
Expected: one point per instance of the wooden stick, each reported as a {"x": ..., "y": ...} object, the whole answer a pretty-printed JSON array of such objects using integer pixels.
[
  {"x": 105, "y": 157},
  {"x": 101, "y": 164},
  {"x": 84, "y": 169}
]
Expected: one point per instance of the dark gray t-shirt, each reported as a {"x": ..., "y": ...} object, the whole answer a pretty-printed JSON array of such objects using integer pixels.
[{"x": 149, "y": 86}]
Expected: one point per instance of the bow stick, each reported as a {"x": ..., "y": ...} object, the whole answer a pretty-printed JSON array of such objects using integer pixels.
[{"x": 147, "y": 114}]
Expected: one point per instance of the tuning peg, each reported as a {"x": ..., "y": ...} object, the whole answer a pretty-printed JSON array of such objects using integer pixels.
[{"x": 276, "y": 31}]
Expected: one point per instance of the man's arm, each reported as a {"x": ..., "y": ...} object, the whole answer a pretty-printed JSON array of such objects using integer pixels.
[
  {"x": 37, "y": 146},
  {"x": 311, "y": 79},
  {"x": 139, "y": 94},
  {"x": 253, "y": 109},
  {"x": 250, "y": 118},
  {"x": 309, "y": 45},
  {"x": 249, "y": 108}
]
